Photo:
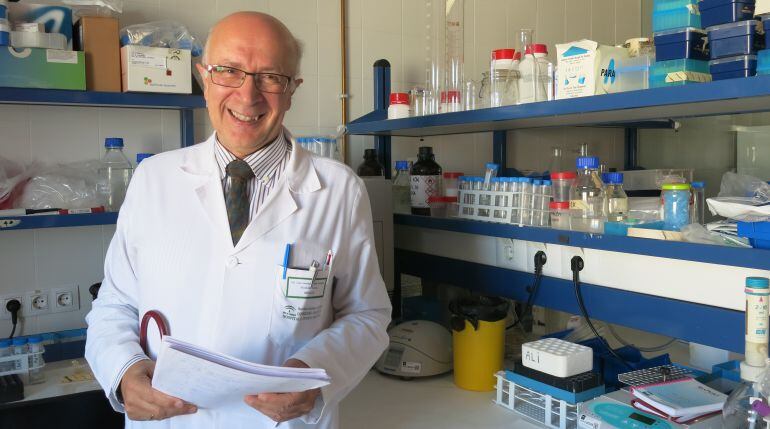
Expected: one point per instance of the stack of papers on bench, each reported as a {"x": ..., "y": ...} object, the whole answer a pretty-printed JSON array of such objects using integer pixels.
[
  {"x": 679, "y": 400},
  {"x": 209, "y": 379}
]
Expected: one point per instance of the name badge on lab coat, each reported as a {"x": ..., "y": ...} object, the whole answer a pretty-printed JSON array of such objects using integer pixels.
[{"x": 299, "y": 284}]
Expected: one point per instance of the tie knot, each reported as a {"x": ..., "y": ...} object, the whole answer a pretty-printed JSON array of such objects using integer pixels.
[{"x": 239, "y": 169}]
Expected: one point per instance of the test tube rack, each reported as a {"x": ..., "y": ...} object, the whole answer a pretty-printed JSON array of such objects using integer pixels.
[
  {"x": 21, "y": 363},
  {"x": 515, "y": 208},
  {"x": 539, "y": 407}
]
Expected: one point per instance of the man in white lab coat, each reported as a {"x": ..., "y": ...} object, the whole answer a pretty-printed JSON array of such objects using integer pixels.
[{"x": 201, "y": 237}]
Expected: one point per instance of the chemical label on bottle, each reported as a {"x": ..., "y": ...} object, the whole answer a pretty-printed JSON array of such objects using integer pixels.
[
  {"x": 578, "y": 205},
  {"x": 756, "y": 316},
  {"x": 423, "y": 187}
]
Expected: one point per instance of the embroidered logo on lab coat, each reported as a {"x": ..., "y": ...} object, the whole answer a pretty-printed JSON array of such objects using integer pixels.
[{"x": 298, "y": 314}]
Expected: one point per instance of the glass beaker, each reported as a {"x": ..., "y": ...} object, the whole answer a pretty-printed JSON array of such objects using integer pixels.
[
  {"x": 470, "y": 95},
  {"x": 418, "y": 98}
]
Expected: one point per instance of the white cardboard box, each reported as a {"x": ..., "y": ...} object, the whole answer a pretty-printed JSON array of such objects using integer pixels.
[
  {"x": 586, "y": 68},
  {"x": 146, "y": 69}
]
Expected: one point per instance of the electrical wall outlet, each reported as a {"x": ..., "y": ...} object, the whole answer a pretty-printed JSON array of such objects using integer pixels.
[
  {"x": 64, "y": 299},
  {"x": 5, "y": 314},
  {"x": 38, "y": 302}
]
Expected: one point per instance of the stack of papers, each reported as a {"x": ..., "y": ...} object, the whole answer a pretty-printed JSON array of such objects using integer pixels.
[
  {"x": 209, "y": 379},
  {"x": 680, "y": 400}
]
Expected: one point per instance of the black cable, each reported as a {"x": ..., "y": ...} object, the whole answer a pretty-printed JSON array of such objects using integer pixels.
[
  {"x": 540, "y": 260},
  {"x": 13, "y": 306},
  {"x": 576, "y": 264},
  {"x": 13, "y": 331}
]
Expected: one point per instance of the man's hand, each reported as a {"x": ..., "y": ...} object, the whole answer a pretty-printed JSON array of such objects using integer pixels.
[
  {"x": 142, "y": 402},
  {"x": 282, "y": 407}
]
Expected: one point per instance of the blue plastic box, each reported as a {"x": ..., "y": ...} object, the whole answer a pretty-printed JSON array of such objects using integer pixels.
[
  {"x": 735, "y": 38},
  {"x": 758, "y": 233},
  {"x": 679, "y": 72},
  {"x": 733, "y": 67},
  {"x": 716, "y": 12},
  {"x": 677, "y": 17},
  {"x": 684, "y": 43},
  {"x": 763, "y": 62}
]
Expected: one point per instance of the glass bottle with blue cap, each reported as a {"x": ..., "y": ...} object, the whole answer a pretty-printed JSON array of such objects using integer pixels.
[{"x": 114, "y": 173}]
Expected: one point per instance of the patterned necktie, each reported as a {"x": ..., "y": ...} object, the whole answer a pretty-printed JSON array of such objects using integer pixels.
[{"x": 237, "y": 198}]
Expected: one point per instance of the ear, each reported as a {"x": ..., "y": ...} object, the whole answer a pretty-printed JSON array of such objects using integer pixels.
[
  {"x": 204, "y": 75},
  {"x": 297, "y": 83}
]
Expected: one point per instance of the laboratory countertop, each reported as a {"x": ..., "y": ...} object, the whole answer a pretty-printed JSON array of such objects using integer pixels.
[
  {"x": 379, "y": 402},
  {"x": 382, "y": 402}
]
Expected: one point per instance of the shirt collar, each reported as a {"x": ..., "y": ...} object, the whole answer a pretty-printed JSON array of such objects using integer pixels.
[{"x": 264, "y": 162}]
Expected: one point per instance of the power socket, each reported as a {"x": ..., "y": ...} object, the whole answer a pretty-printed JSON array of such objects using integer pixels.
[
  {"x": 5, "y": 314},
  {"x": 38, "y": 303},
  {"x": 64, "y": 299}
]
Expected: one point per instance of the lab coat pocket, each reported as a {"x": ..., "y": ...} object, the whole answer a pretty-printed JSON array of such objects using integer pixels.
[{"x": 301, "y": 306}]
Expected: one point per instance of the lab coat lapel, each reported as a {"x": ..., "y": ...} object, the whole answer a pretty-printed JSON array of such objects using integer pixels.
[
  {"x": 202, "y": 168},
  {"x": 299, "y": 177}
]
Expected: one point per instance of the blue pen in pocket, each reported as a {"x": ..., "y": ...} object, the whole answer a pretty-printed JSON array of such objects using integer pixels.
[{"x": 286, "y": 255}]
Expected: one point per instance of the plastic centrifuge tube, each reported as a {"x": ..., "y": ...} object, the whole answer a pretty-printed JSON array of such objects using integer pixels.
[{"x": 490, "y": 173}]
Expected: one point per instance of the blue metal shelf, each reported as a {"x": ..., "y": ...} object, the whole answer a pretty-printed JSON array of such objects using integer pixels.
[
  {"x": 713, "y": 254},
  {"x": 703, "y": 324},
  {"x": 59, "y": 221},
  {"x": 100, "y": 99},
  {"x": 628, "y": 109}
]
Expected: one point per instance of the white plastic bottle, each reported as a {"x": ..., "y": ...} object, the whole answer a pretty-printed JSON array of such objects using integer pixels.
[
  {"x": 115, "y": 173},
  {"x": 587, "y": 197},
  {"x": 401, "y": 188},
  {"x": 536, "y": 75}
]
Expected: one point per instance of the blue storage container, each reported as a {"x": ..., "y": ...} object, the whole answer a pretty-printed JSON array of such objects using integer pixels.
[
  {"x": 676, "y": 17},
  {"x": 664, "y": 5},
  {"x": 685, "y": 43},
  {"x": 735, "y": 38},
  {"x": 715, "y": 12},
  {"x": 763, "y": 62},
  {"x": 679, "y": 72},
  {"x": 758, "y": 233},
  {"x": 732, "y": 67}
]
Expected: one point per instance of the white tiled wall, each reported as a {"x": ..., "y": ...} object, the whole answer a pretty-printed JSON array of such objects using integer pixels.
[{"x": 376, "y": 29}]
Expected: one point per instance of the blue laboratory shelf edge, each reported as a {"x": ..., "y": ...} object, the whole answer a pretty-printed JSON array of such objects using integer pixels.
[{"x": 57, "y": 221}]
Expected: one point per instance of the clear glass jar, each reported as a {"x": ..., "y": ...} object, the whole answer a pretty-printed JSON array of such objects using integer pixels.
[
  {"x": 698, "y": 209},
  {"x": 617, "y": 200},
  {"x": 484, "y": 91},
  {"x": 560, "y": 216},
  {"x": 562, "y": 182},
  {"x": 504, "y": 88},
  {"x": 587, "y": 197}
]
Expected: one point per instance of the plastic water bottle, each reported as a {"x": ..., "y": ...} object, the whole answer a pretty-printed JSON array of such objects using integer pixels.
[
  {"x": 698, "y": 210},
  {"x": 401, "y": 188},
  {"x": 36, "y": 349},
  {"x": 115, "y": 173},
  {"x": 587, "y": 197},
  {"x": 617, "y": 200}
]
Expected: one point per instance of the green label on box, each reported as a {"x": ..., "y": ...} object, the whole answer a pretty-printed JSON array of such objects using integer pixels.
[{"x": 42, "y": 68}]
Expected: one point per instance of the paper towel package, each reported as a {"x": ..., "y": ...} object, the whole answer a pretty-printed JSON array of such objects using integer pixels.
[{"x": 586, "y": 68}]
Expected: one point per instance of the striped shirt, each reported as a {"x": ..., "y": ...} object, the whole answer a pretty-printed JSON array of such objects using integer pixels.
[{"x": 268, "y": 165}]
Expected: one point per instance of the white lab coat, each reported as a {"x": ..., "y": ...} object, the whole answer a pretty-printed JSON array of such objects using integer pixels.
[{"x": 172, "y": 252}]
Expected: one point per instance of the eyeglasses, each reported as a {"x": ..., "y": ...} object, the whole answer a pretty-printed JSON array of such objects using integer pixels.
[{"x": 232, "y": 77}]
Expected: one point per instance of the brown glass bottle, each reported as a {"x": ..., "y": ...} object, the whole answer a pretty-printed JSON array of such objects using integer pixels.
[
  {"x": 425, "y": 180},
  {"x": 371, "y": 166}
]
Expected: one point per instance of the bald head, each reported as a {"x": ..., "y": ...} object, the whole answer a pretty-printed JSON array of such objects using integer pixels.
[{"x": 256, "y": 25}]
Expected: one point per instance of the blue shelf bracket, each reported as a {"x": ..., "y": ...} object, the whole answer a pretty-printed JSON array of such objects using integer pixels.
[
  {"x": 631, "y": 146},
  {"x": 187, "y": 127},
  {"x": 381, "y": 102},
  {"x": 499, "y": 149}
]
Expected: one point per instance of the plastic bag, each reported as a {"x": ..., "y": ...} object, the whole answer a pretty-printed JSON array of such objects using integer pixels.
[
  {"x": 161, "y": 34},
  {"x": 12, "y": 179},
  {"x": 742, "y": 197},
  {"x": 95, "y": 7},
  {"x": 762, "y": 385},
  {"x": 697, "y": 233},
  {"x": 645, "y": 209},
  {"x": 66, "y": 186}
]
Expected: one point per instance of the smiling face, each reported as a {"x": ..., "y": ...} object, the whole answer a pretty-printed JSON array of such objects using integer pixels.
[{"x": 245, "y": 118}]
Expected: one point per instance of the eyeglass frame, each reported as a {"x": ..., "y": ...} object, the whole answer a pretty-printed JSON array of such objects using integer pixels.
[{"x": 210, "y": 67}]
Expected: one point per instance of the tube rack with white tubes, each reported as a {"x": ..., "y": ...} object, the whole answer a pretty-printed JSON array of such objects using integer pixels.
[
  {"x": 520, "y": 203},
  {"x": 21, "y": 363}
]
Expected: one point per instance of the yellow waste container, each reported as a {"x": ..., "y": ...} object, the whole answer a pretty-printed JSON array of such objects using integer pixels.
[{"x": 478, "y": 341}]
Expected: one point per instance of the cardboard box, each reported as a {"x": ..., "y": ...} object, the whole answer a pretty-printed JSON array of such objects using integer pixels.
[
  {"x": 57, "y": 19},
  {"x": 42, "y": 68},
  {"x": 146, "y": 69},
  {"x": 587, "y": 68},
  {"x": 98, "y": 36}
]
